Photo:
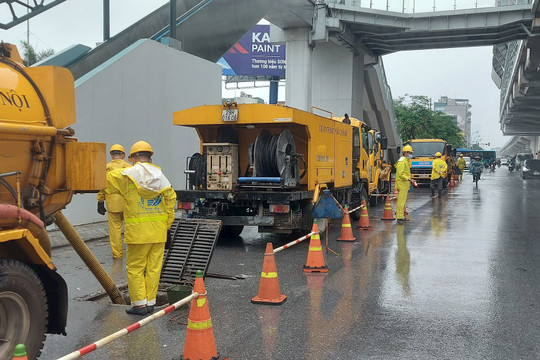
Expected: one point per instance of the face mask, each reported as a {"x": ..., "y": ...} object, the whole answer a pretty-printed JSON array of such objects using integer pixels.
[{"x": 410, "y": 156}]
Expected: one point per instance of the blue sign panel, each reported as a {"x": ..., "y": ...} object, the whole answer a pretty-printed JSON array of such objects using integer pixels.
[
  {"x": 421, "y": 164},
  {"x": 255, "y": 55}
]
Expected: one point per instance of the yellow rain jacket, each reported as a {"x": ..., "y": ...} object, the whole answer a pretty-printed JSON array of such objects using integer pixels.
[
  {"x": 461, "y": 163},
  {"x": 439, "y": 169},
  {"x": 403, "y": 174},
  {"x": 115, "y": 202},
  {"x": 149, "y": 202}
]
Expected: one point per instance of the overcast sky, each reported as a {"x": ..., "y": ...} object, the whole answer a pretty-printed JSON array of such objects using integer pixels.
[{"x": 456, "y": 73}]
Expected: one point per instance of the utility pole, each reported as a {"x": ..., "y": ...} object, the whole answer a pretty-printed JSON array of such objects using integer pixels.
[{"x": 106, "y": 20}]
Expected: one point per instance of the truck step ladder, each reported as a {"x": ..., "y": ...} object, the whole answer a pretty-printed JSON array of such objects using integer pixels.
[{"x": 191, "y": 249}]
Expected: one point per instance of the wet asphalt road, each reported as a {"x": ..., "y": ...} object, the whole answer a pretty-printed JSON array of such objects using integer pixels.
[{"x": 460, "y": 281}]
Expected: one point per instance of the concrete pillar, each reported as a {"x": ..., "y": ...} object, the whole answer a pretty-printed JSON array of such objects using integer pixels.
[
  {"x": 298, "y": 72},
  {"x": 329, "y": 76}
]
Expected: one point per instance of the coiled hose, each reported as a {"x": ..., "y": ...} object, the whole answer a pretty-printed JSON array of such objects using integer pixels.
[
  {"x": 89, "y": 259},
  {"x": 266, "y": 150}
]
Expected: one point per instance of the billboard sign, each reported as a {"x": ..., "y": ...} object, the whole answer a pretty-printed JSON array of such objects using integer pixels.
[{"x": 255, "y": 55}]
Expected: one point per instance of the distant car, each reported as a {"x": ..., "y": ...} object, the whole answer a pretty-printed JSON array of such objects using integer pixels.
[
  {"x": 530, "y": 169},
  {"x": 467, "y": 161},
  {"x": 504, "y": 161},
  {"x": 520, "y": 158}
]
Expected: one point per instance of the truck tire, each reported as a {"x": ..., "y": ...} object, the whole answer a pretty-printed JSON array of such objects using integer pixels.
[
  {"x": 364, "y": 196},
  {"x": 231, "y": 231},
  {"x": 23, "y": 309}
]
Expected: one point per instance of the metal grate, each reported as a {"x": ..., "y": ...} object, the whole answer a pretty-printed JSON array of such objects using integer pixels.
[{"x": 191, "y": 249}]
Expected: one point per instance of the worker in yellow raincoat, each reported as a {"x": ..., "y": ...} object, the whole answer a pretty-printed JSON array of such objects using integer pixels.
[
  {"x": 403, "y": 182},
  {"x": 115, "y": 202},
  {"x": 461, "y": 166},
  {"x": 438, "y": 174},
  {"x": 149, "y": 202}
]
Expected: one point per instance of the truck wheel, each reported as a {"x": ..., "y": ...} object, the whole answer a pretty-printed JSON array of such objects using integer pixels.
[
  {"x": 363, "y": 196},
  {"x": 23, "y": 309},
  {"x": 231, "y": 231}
]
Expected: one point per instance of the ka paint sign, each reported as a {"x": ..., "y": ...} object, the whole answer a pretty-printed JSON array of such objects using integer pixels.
[{"x": 255, "y": 55}]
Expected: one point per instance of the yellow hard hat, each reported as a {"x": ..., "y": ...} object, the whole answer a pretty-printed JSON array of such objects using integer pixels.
[
  {"x": 407, "y": 148},
  {"x": 117, "y": 147},
  {"x": 460, "y": 155},
  {"x": 438, "y": 154},
  {"x": 141, "y": 146}
]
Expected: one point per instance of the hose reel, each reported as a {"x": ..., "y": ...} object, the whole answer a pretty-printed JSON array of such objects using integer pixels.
[
  {"x": 197, "y": 171},
  {"x": 275, "y": 156}
]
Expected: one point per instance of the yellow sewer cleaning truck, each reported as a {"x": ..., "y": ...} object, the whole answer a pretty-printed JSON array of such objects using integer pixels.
[
  {"x": 266, "y": 165},
  {"x": 41, "y": 167}
]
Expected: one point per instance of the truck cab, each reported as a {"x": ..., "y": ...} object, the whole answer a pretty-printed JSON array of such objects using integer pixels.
[{"x": 424, "y": 151}]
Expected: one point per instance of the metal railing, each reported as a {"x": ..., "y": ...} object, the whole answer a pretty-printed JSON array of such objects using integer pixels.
[{"x": 422, "y": 6}]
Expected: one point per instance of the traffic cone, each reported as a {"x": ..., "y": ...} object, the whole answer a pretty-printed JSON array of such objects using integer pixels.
[
  {"x": 346, "y": 230},
  {"x": 387, "y": 215},
  {"x": 200, "y": 342},
  {"x": 452, "y": 182},
  {"x": 363, "y": 223},
  {"x": 269, "y": 292},
  {"x": 395, "y": 194},
  {"x": 315, "y": 258},
  {"x": 20, "y": 352}
]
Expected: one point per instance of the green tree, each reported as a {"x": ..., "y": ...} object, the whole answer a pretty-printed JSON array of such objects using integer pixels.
[
  {"x": 416, "y": 120},
  {"x": 31, "y": 56}
]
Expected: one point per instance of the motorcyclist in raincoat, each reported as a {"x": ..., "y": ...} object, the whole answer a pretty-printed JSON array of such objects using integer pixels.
[{"x": 477, "y": 166}]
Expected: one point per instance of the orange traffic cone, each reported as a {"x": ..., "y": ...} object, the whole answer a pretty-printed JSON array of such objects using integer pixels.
[
  {"x": 315, "y": 258},
  {"x": 452, "y": 182},
  {"x": 269, "y": 292},
  {"x": 395, "y": 194},
  {"x": 20, "y": 352},
  {"x": 200, "y": 343},
  {"x": 387, "y": 215},
  {"x": 346, "y": 231},
  {"x": 363, "y": 223}
]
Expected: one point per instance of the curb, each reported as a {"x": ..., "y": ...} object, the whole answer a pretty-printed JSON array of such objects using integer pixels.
[{"x": 87, "y": 232}]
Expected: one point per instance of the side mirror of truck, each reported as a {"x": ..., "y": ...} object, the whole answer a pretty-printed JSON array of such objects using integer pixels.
[{"x": 384, "y": 143}]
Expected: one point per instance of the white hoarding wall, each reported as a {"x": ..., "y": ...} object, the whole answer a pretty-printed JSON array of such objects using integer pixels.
[{"x": 132, "y": 97}]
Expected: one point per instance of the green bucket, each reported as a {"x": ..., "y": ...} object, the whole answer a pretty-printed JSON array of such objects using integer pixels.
[{"x": 178, "y": 292}]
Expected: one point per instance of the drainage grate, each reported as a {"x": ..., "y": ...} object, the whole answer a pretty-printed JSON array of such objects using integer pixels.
[{"x": 191, "y": 249}]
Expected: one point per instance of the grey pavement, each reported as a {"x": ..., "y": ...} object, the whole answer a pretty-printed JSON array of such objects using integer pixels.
[{"x": 460, "y": 281}]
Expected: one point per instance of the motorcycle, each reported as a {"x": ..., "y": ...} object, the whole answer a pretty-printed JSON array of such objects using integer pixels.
[{"x": 511, "y": 167}]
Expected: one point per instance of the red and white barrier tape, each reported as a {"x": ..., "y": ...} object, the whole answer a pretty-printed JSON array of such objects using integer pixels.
[
  {"x": 89, "y": 348},
  {"x": 357, "y": 208},
  {"x": 294, "y": 242}
]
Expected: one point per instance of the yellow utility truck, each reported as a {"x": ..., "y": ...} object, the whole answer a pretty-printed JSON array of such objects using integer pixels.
[
  {"x": 424, "y": 151},
  {"x": 41, "y": 166},
  {"x": 266, "y": 165}
]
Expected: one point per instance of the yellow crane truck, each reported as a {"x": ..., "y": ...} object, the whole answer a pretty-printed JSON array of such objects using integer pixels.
[
  {"x": 266, "y": 165},
  {"x": 41, "y": 166},
  {"x": 423, "y": 156}
]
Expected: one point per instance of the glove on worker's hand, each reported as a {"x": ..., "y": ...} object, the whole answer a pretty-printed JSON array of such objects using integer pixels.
[{"x": 101, "y": 208}]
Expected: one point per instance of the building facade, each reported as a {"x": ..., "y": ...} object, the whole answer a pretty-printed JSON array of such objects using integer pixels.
[{"x": 460, "y": 109}]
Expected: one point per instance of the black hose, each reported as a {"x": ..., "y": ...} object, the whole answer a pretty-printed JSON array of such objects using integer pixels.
[
  {"x": 265, "y": 158},
  {"x": 198, "y": 163}
]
